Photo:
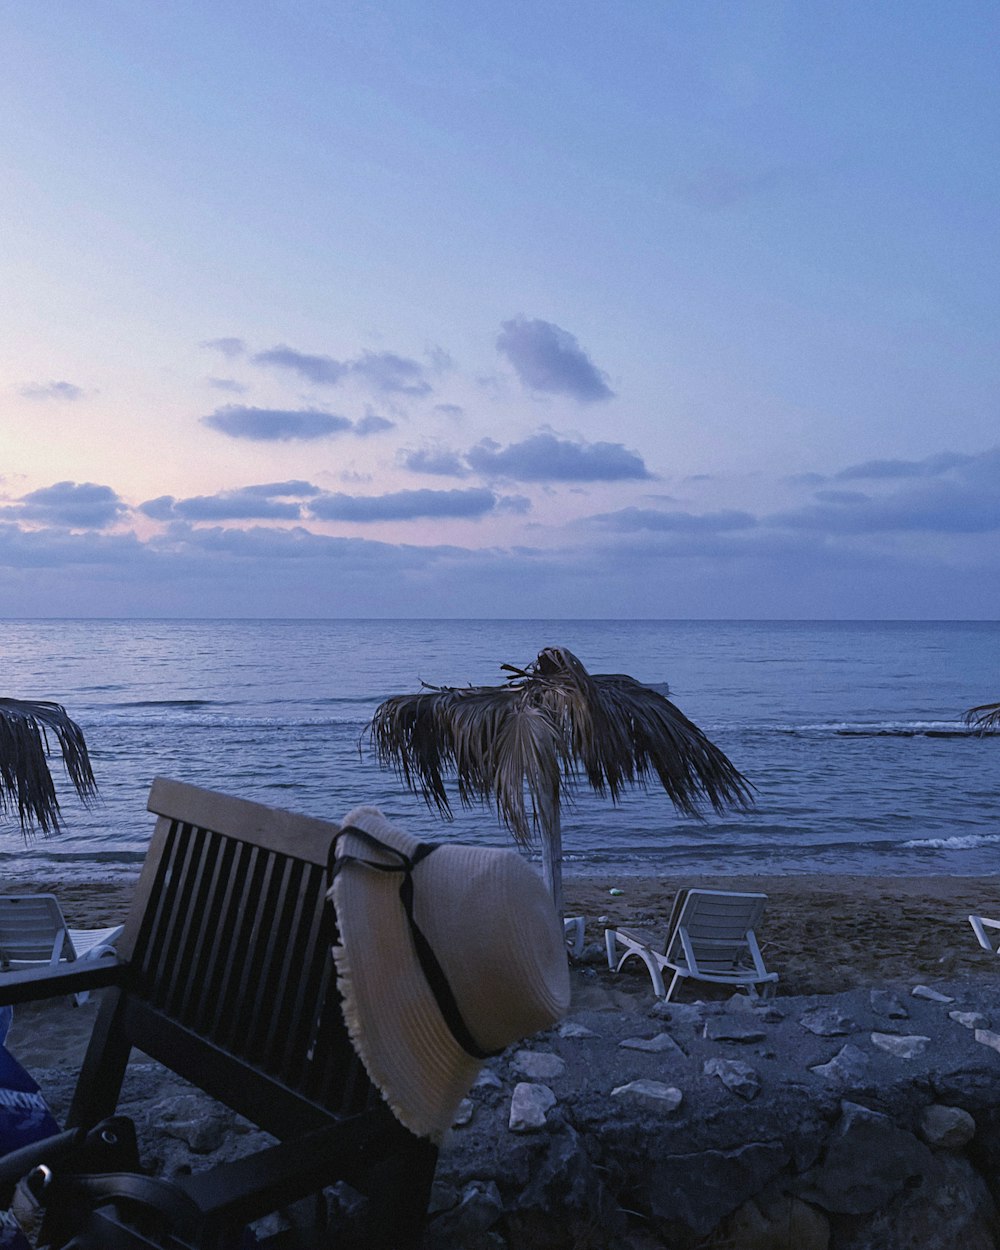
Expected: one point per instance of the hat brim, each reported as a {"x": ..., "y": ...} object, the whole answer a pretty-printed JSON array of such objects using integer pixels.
[{"x": 495, "y": 933}]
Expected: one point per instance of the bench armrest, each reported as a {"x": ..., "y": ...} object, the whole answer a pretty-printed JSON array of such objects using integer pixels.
[{"x": 34, "y": 984}]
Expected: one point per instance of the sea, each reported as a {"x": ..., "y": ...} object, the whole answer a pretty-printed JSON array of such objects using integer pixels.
[{"x": 851, "y": 732}]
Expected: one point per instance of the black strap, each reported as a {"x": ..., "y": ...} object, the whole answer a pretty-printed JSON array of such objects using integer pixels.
[{"x": 431, "y": 968}]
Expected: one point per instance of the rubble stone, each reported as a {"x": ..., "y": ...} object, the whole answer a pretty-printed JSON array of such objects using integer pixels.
[
  {"x": 950, "y": 1128},
  {"x": 529, "y": 1106},
  {"x": 738, "y": 1077}
]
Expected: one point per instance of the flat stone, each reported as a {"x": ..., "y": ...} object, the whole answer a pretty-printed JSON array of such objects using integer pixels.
[
  {"x": 678, "y": 1013},
  {"x": 528, "y": 1106},
  {"x": 737, "y": 1077},
  {"x": 463, "y": 1113},
  {"x": 743, "y": 1004},
  {"x": 988, "y": 1039},
  {"x": 886, "y": 1003},
  {"x": 951, "y": 1128},
  {"x": 901, "y": 1047},
  {"x": 570, "y": 1028},
  {"x": 932, "y": 996},
  {"x": 733, "y": 1029},
  {"x": 827, "y": 1022},
  {"x": 970, "y": 1019},
  {"x": 849, "y": 1066},
  {"x": 487, "y": 1079},
  {"x": 661, "y": 1044},
  {"x": 653, "y": 1094},
  {"x": 538, "y": 1065}
]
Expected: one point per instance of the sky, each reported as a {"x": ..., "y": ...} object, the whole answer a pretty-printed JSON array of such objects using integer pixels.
[{"x": 652, "y": 309}]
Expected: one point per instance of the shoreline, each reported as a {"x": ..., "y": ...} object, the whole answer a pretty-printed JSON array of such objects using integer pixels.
[{"x": 822, "y": 932}]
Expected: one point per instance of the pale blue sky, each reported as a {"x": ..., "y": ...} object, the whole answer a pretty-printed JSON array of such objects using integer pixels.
[{"x": 591, "y": 309}]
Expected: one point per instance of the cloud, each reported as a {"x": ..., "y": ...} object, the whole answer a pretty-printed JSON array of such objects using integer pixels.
[
  {"x": 437, "y": 461},
  {"x": 629, "y": 520},
  {"x": 841, "y": 496},
  {"x": 267, "y": 501},
  {"x": 932, "y": 466},
  {"x": 387, "y": 372},
  {"x": 450, "y": 410},
  {"x": 546, "y": 458},
  {"x": 275, "y": 424},
  {"x": 228, "y": 384},
  {"x": 231, "y": 348},
  {"x": 371, "y": 423},
  {"x": 404, "y": 505},
  {"x": 942, "y": 507},
  {"x": 75, "y": 505},
  {"x": 516, "y": 505},
  {"x": 946, "y": 493},
  {"x": 805, "y": 479},
  {"x": 320, "y": 370},
  {"x": 52, "y": 390},
  {"x": 548, "y": 358},
  {"x": 646, "y": 562},
  {"x": 295, "y": 488}
]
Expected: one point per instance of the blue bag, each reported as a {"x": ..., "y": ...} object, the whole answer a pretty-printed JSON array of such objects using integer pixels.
[{"x": 24, "y": 1117}]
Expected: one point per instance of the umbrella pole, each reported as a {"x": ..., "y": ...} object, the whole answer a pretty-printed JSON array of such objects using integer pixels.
[{"x": 552, "y": 850}]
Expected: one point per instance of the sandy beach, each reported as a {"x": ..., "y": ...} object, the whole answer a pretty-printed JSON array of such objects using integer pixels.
[{"x": 822, "y": 934}]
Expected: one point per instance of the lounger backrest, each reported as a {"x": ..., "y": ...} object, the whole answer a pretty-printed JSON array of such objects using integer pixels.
[
  {"x": 716, "y": 923},
  {"x": 32, "y": 928},
  {"x": 231, "y": 982}
]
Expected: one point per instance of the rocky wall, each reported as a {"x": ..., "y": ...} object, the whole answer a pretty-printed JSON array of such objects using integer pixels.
[{"x": 868, "y": 1120}]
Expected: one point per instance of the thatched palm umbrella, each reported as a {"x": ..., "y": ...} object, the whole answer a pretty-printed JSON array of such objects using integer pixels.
[
  {"x": 986, "y": 716},
  {"x": 26, "y": 784},
  {"x": 517, "y": 746}
]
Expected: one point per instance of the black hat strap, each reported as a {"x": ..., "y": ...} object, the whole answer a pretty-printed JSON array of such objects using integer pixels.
[{"x": 431, "y": 968}]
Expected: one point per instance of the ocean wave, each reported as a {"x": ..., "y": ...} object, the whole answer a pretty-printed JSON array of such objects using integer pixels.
[
  {"x": 121, "y": 855},
  {"x": 168, "y": 703},
  {"x": 892, "y": 729},
  {"x": 958, "y": 842}
]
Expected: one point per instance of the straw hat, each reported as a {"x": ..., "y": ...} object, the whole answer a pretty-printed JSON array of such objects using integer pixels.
[{"x": 423, "y": 1023}]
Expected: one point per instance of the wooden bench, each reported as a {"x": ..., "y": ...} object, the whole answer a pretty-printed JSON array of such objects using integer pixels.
[{"x": 224, "y": 975}]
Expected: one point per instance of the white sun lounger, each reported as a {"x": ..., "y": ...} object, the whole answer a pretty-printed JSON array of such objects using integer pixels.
[
  {"x": 710, "y": 938},
  {"x": 33, "y": 932},
  {"x": 979, "y": 926}
]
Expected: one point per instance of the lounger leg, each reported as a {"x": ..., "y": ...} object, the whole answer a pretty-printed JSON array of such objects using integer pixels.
[
  {"x": 655, "y": 974},
  {"x": 609, "y": 943},
  {"x": 673, "y": 985}
]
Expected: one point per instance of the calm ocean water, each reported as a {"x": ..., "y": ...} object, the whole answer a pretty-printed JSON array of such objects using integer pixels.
[{"x": 851, "y": 732}]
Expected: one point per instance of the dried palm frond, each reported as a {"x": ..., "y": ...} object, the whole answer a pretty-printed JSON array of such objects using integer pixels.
[
  {"x": 26, "y": 784},
  {"x": 520, "y": 744},
  {"x": 986, "y": 716}
]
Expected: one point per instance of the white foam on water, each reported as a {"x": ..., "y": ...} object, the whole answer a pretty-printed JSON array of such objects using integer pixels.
[{"x": 960, "y": 842}]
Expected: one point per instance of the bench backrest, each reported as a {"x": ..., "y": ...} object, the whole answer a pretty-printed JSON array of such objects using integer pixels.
[{"x": 230, "y": 980}]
